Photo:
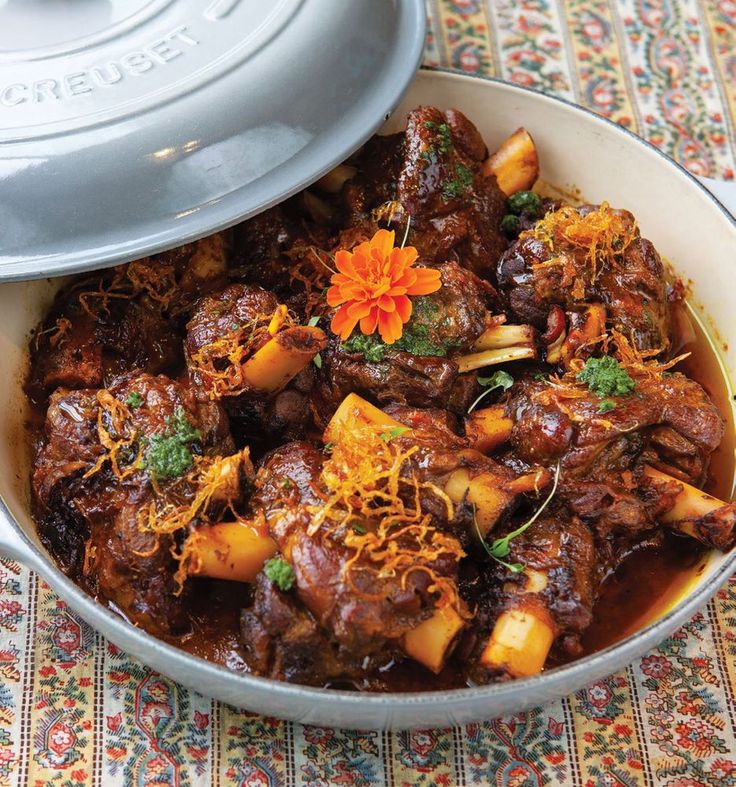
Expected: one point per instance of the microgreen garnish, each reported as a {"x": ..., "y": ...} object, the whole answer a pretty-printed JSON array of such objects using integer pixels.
[
  {"x": 510, "y": 225},
  {"x": 388, "y": 436},
  {"x": 525, "y": 202},
  {"x": 501, "y": 547},
  {"x": 134, "y": 399},
  {"x": 280, "y": 573},
  {"x": 169, "y": 455},
  {"x": 499, "y": 379},
  {"x": 606, "y": 377},
  {"x": 606, "y": 406}
]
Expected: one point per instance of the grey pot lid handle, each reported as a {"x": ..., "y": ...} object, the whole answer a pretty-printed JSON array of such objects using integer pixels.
[{"x": 722, "y": 190}]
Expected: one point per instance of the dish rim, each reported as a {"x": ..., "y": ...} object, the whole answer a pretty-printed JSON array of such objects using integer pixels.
[{"x": 693, "y": 600}]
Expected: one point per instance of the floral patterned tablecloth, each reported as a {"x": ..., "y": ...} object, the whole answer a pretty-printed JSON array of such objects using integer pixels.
[{"x": 76, "y": 711}]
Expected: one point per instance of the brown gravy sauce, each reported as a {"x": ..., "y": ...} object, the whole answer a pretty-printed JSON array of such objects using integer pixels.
[{"x": 643, "y": 588}]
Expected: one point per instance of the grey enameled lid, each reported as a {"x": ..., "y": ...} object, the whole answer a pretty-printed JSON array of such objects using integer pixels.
[{"x": 132, "y": 126}]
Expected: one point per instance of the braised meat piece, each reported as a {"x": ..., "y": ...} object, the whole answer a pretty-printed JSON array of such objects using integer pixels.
[
  {"x": 667, "y": 421},
  {"x": 138, "y": 337},
  {"x": 227, "y": 336},
  {"x": 361, "y": 610},
  {"x": 124, "y": 319},
  {"x": 559, "y": 584},
  {"x": 238, "y": 306},
  {"x": 76, "y": 350},
  {"x": 95, "y": 469},
  {"x": 591, "y": 442},
  {"x": 282, "y": 639},
  {"x": 430, "y": 177},
  {"x": 592, "y": 254},
  {"x": 419, "y": 368}
]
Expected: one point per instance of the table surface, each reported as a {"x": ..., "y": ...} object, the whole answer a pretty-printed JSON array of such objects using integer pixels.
[{"x": 75, "y": 710}]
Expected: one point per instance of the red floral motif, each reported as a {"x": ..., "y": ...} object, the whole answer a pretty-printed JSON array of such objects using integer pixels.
[
  {"x": 696, "y": 736},
  {"x": 656, "y": 666},
  {"x": 318, "y": 735},
  {"x": 599, "y": 695}
]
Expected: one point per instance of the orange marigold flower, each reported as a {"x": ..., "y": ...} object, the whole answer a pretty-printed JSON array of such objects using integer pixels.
[{"x": 373, "y": 286}]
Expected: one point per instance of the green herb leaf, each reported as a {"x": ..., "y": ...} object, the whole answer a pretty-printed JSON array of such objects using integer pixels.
[
  {"x": 314, "y": 320},
  {"x": 606, "y": 406},
  {"x": 457, "y": 186},
  {"x": 387, "y": 437},
  {"x": 134, "y": 399},
  {"x": 317, "y": 361},
  {"x": 287, "y": 483},
  {"x": 169, "y": 455},
  {"x": 444, "y": 143},
  {"x": 358, "y": 528},
  {"x": 328, "y": 448},
  {"x": 370, "y": 347},
  {"x": 417, "y": 338},
  {"x": 526, "y": 202},
  {"x": 280, "y": 573},
  {"x": 606, "y": 377},
  {"x": 510, "y": 225},
  {"x": 499, "y": 379}
]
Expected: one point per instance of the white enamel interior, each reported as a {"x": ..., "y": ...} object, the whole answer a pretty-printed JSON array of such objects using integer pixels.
[{"x": 577, "y": 150}]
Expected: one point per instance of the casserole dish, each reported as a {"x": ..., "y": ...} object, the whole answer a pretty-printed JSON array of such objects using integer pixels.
[{"x": 673, "y": 209}]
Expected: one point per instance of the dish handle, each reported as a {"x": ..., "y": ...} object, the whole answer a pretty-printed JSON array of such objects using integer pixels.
[
  {"x": 12, "y": 542},
  {"x": 722, "y": 190}
]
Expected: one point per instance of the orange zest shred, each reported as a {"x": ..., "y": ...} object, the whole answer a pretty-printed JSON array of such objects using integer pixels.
[
  {"x": 207, "y": 494},
  {"x": 219, "y": 363},
  {"x": 57, "y": 333},
  {"x": 601, "y": 236},
  {"x": 373, "y": 284},
  {"x": 311, "y": 267},
  {"x": 372, "y": 504},
  {"x": 155, "y": 278},
  {"x": 212, "y": 482},
  {"x": 115, "y": 433},
  {"x": 96, "y": 302}
]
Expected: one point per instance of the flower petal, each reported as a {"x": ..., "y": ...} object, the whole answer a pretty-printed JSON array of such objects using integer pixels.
[
  {"x": 368, "y": 324},
  {"x": 335, "y": 296},
  {"x": 428, "y": 280},
  {"x": 404, "y": 258},
  {"x": 382, "y": 243},
  {"x": 342, "y": 324},
  {"x": 359, "y": 309},
  {"x": 345, "y": 263},
  {"x": 386, "y": 304},
  {"x": 390, "y": 326},
  {"x": 403, "y": 308}
]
